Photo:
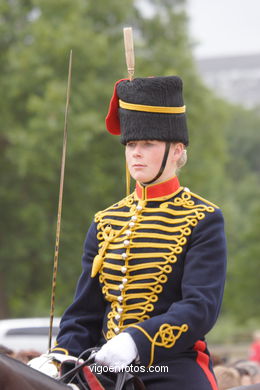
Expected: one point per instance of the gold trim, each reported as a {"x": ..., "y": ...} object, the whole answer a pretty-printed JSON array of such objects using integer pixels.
[
  {"x": 127, "y": 179},
  {"x": 158, "y": 109},
  {"x": 66, "y": 352},
  {"x": 165, "y": 337},
  {"x": 175, "y": 219},
  {"x": 160, "y": 198}
]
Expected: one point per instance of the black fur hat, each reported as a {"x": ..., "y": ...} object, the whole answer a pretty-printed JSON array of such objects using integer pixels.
[{"x": 149, "y": 108}]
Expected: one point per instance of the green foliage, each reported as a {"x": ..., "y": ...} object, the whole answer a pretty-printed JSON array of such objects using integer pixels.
[
  {"x": 243, "y": 215},
  {"x": 36, "y": 37}
]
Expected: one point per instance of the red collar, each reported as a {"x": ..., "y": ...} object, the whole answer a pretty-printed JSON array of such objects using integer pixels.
[{"x": 157, "y": 190}]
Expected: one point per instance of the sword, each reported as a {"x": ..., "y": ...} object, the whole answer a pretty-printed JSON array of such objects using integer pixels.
[{"x": 57, "y": 241}]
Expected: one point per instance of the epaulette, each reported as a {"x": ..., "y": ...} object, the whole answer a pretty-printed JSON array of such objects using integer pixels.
[
  {"x": 203, "y": 200},
  {"x": 123, "y": 202}
]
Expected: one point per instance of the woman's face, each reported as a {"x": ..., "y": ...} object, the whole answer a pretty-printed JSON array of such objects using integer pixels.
[{"x": 144, "y": 159}]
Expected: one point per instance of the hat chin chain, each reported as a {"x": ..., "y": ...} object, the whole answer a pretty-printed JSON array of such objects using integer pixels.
[{"x": 164, "y": 161}]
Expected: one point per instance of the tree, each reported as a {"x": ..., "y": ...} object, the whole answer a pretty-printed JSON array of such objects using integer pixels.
[
  {"x": 242, "y": 205},
  {"x": 36, "y": 38}
]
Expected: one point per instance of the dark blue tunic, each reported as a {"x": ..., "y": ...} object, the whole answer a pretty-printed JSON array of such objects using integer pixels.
[{"x": 158, "y": 273}]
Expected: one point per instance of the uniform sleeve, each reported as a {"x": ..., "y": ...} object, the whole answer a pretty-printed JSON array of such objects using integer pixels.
[
  {"x": 189, "y": 319},
  {"x": 81, "y": 323}
]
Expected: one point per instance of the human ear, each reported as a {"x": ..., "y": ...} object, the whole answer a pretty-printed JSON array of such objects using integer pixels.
[{"x": 177, "y": 150}]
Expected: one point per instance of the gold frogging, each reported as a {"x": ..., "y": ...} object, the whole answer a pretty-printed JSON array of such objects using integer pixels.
[{"x": 107, "y": 235}]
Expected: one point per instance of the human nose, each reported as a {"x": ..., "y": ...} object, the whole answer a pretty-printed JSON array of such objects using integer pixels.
[{"x": 137, "y": 151}]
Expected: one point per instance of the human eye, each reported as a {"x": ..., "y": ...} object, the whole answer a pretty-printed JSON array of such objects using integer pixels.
[
  {"x": 130, "y": 144},
  {"x": 149, "y": 143}
]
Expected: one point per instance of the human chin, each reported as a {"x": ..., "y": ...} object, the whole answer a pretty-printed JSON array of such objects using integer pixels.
[
  {"x": 142, "y": 177},
  {"x": 138, "y": 175}
]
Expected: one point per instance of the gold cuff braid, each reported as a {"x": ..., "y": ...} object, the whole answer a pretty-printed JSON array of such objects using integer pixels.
[{"x": 165, "y": 337}]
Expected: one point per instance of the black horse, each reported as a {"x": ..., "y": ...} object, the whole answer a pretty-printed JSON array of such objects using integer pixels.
[{"x": 15, "y": 375}]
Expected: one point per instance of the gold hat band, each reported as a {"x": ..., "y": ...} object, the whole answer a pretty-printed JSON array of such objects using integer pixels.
[{"x": 159, "y": 109}]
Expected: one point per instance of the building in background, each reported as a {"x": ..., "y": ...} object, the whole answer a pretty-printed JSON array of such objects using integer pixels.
[{"x": 235, "y": 78}]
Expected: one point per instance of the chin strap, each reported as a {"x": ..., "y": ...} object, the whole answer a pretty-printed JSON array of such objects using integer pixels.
[{"x": 164, "y": 161}]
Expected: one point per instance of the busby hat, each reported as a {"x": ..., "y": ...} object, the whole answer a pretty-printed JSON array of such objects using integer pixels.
[{"x": 148, "y": 108}]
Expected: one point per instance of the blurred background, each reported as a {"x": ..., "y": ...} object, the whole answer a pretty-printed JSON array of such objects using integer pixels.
[{"x": 213, "y": 46}]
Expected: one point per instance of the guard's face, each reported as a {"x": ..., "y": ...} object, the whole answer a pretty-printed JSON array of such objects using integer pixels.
[{"x": 144, "y": 159}]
